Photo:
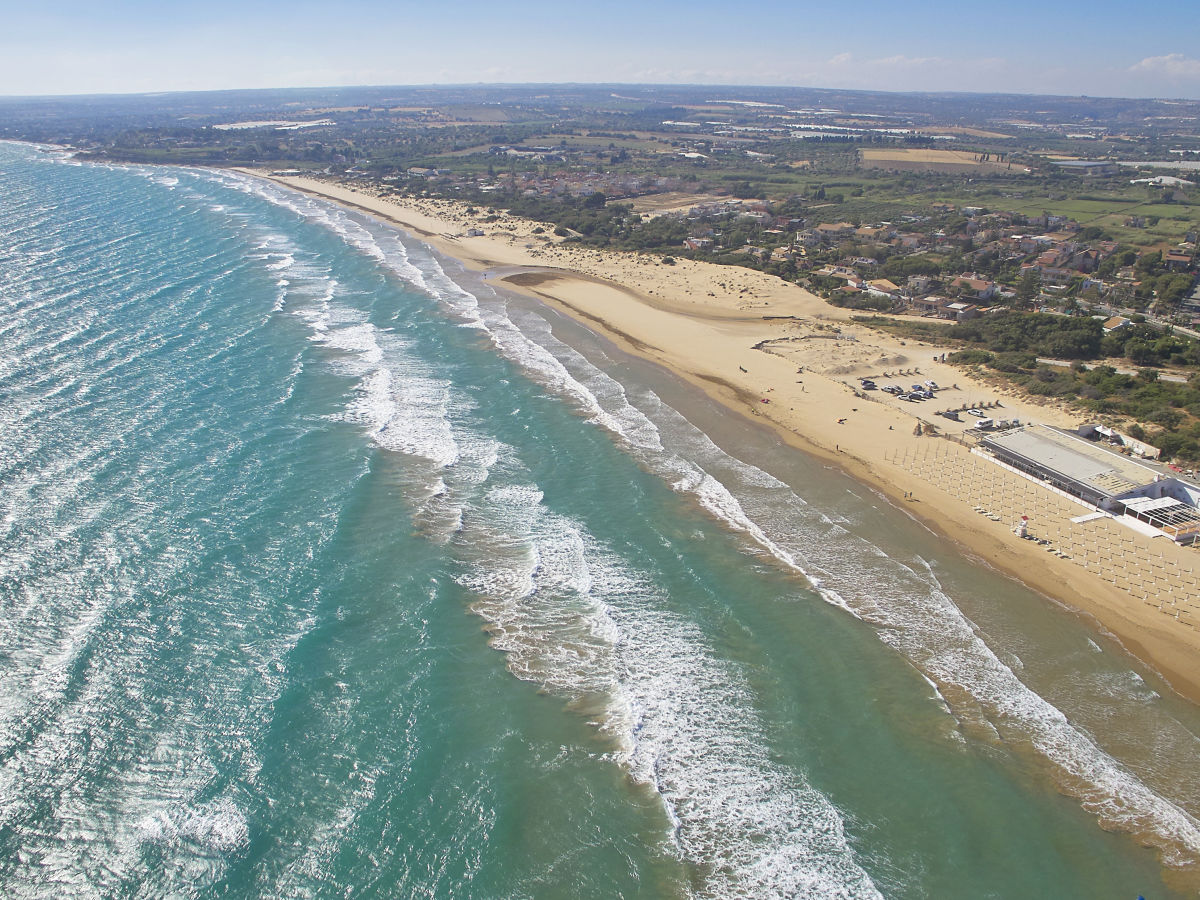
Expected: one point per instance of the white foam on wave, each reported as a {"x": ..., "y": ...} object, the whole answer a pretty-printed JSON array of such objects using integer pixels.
[
  {"x": 357, "y": 340},
  {"x": 571, "y": 617},
  {"x": 419, "y": 423},
  {"x": 531, "y": 344},
  {"x": 911, "y": 612},
  {"x": 914, "y": 615},
  {"x": 606, "y": 403},
  {"x": 403, "y": 410},
  {"x": 910, "y": 609},
  {"x": 217, "y": 826},
  {"x": 381, "y": 244}
]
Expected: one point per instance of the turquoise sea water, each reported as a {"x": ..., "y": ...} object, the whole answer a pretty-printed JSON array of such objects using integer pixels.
[{"x": 327, "y": 571}]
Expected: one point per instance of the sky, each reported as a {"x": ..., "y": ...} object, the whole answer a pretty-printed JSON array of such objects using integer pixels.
[{"x": 1093, "y": 47}]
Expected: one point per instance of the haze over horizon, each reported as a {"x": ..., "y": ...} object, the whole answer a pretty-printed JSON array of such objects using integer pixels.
[{"x": 1069, "y": 48}]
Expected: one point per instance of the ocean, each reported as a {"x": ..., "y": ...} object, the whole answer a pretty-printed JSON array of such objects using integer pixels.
[{"x": 326, "y": 569}]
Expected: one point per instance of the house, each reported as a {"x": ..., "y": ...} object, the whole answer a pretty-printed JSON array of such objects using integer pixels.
[
  {"x": 1084, "y": 261},
  {"x": 833, "y": 231},
  {"x": 970, "y": 286},
  {"x": 920, "y": 284},
  {"x": 959, "y": 311},
  {"x": 1115, "y": 323},
  {"x": 929, "y": 306},
  {"x": 842, "y": 272},
  {"x": 1033, "y": 243},
  {"x": 883, "y": 286},
  {"x": 875, "y": 232},
  {"x": 1054, "y": 257},
  {"x": 1177, "y": 261}
]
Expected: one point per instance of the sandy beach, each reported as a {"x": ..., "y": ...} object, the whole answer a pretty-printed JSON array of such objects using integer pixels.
[{"x": 776, "y": 353}]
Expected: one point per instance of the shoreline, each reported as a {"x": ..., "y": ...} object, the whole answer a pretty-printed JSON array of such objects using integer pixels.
[{"x": 772, "y": 352}]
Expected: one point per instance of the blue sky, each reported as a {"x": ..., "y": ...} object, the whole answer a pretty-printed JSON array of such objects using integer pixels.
[{"x": 1099, "y": 48}]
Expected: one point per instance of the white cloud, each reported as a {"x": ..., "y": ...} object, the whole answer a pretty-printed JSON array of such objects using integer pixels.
[
  {"x": 907, "y": 61},
  {"x": 1174, "y": 65}
]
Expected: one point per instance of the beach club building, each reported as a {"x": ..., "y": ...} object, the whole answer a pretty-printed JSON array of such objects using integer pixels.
[{"x": 1143, "y": 497}]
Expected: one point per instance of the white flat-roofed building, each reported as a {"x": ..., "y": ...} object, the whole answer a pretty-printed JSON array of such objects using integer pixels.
[
  {"x": 1072, "y": 464},
  {"x": 1102, "y": 478}
]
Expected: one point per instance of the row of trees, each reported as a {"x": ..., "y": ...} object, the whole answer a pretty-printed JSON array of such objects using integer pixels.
[{"x": 1077, "y": 338}]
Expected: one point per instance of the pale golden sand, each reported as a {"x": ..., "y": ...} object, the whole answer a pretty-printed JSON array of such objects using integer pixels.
[{"x": 745, "y": 337}]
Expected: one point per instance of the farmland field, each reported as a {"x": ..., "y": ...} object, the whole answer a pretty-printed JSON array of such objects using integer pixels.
[{"x": 922, "y": 160}]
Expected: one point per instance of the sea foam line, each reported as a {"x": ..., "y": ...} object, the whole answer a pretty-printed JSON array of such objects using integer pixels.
[
  {"x": 943, "y": 645},
  {"x": 574, "y": 618},
  {"x": 926, "y": 626}
]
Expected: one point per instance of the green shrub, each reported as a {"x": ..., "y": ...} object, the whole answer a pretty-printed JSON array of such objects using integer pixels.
[{"x": 971, "y": 357}]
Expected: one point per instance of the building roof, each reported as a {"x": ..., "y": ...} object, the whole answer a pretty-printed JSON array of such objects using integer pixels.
[
  {"x": 1082, "y": 163},
  {"x": 1073, "y": 458},
  {"x": 975, "y": 284}
]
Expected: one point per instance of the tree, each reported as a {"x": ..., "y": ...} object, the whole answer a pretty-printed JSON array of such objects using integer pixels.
[
  {"x": 1148, "y": 262},
  {"x": 1028, "y": 288},
  {"x": 1140, "y": 352}
]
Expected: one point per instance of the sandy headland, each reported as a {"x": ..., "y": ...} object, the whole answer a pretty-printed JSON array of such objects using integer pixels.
[{"x": 785, "y": 358}]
